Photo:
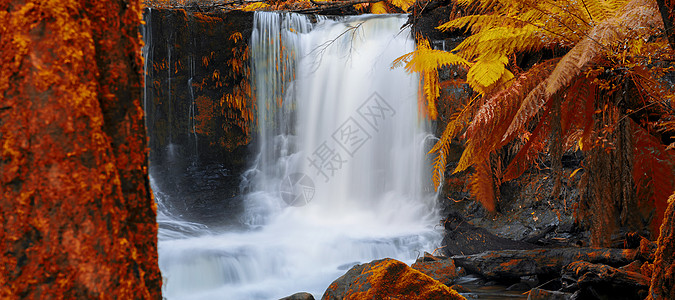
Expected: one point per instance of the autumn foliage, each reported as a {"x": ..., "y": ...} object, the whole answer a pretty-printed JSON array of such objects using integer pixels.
[
  {"x": 301, "y": 6},
  {"x": 78, "y": 219},
  {"x": 557, "y": 76}
]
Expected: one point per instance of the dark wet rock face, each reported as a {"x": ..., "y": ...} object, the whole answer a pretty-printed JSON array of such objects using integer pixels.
[
  {"x": 387, "y": 279},
  {"x": 514, "y": 264},
  {"x": 597, "y": 281},
  {"x": 462, "y": 238},
  {"x": 441, "y": 269},
  {"x": 200, "y": 139}
]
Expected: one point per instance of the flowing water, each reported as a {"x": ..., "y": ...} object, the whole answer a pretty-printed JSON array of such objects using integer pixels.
[{"x": 341, "y": 177}]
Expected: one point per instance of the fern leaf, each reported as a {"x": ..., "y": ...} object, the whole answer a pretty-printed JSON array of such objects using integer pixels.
[
  {"x": 482, "y": 185},
  {"x": 569, "y": 67},
  {"x": 472, "y": 23},
  {"x": 486, "y": 72},
  {"x": 426, "y": 59},
  {"x": 441, "y": 148},
  {"x": 378, "y": 8},
  {"x": 528, "y": 108},
  {"x": 491, "y": 43},
  {"x": 467, "y": 159},
  {"x": 402, "y": 4},
  {"x": 495, "y": 114},
  {"x": 600, "y": 10},
  {"x": 432, "y": 91},
  {"x": 256, "y": 6},
  {"x": 652, "y": 172},
  {"x": 534, "y": 145}
]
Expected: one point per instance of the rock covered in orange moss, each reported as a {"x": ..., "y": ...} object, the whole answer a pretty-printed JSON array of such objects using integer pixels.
[
  {"x": 387, "y": 279},
  {"x": 76, "y": 216},
  {"x": 663, "y": 278},
  {"x": 441, "y": 269}
]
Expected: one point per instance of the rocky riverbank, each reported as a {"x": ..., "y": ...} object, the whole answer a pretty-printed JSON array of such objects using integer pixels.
[{"x": 544, "y": 273}]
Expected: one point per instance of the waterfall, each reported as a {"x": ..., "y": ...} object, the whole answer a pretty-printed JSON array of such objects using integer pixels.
[{"x": 341, "y": 177}]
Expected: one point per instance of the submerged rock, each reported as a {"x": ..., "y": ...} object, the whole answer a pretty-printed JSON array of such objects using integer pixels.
[
  {"x": 387, "y": 279},
  {"x": 299, "y": 296},
  {"x": 540, "y": 294}
]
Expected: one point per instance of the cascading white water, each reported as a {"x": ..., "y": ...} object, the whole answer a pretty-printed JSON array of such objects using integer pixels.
[{"x": 334, "y": 115}]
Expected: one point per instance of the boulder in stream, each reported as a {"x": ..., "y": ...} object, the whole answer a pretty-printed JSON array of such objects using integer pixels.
[
  {"x": 388, "y": 279},
  {"x": 439, "y": 268},
  {"x": 299, "y": 296}
]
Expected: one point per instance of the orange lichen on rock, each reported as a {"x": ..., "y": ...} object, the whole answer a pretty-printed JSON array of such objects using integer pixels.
[
  {"x": 78, "y": 220},
  {"x": 387, "y": 279},
  {"x": 443, "y": 270}
]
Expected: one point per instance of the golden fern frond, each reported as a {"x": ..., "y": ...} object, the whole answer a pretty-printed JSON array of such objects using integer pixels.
[
  {"x": 454, "y": 127},
  {"x": 468, "y": 157},
  {"x": 486, "y": 72},
  {"x": 501, "y": 41},
  {"x": 600, "y": 10},
  {"x": 475, "y": 23},
  {"x": 457, "y": 123},
  {"x": 432, "y": 91},
  {"x": 480, "y": 6},
  {"x": 402, "y": 4},
  {"x": 378, "y": 8},
  {"x": 608, "y": 32},
  {"x": 426, "y": 59}
]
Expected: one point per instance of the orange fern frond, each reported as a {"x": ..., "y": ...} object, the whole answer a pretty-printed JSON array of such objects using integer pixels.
[
  {"x": 570, "y": 66},
  {"x": 468, "y": 157},
  {"x": 652, "y": 172},
  {"x": 482, "y": 185},
  {"x": 535, "y": 145},
  {"x": 495, "y": 114},
  {"x": 580, "y": 94}
]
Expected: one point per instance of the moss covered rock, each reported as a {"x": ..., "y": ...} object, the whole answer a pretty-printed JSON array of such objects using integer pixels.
[{"x": 387, "y": 279}]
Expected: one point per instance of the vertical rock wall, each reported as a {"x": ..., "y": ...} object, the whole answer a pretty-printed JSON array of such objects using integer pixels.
[
  {"x": 77, "y": 217},
  {"x": 200, "y": 110}
]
